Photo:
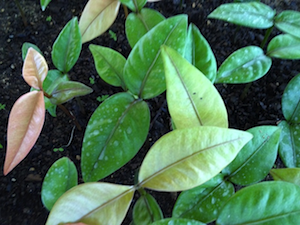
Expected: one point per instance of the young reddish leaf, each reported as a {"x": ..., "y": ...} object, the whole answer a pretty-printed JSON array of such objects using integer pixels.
[
  {"x": 97, "y": 17},
  {"x": 35, "y": 69},
  {"x": 24, "y": 126}
]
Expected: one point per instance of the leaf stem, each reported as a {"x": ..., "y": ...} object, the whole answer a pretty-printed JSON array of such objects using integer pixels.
[
  {"x": 64, "y": 109},
  {"x": 21, "y": 12},
  {"x": 266, "y": 37},
  {"x": 125, "y": 10}
]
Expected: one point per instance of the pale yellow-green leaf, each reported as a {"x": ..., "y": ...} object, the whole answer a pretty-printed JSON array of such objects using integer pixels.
[
  {"x": 92, "y": 203},
  {"x": 192, "y": 98},
  {"x": 186, "y": 158},
  {"x": 97, "y": 17}
]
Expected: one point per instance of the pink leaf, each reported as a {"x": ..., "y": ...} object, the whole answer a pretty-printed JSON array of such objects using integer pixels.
[
  {"x": 35, "y": 69},
  {"x": 25, "y": 123}
]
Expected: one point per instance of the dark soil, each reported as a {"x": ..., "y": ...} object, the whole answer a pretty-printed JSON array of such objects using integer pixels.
[{"x": 20, "y": 190}]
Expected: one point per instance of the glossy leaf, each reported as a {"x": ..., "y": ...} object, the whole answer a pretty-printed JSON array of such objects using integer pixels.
[
  {"x": 66, "y": 90},
  {"x": 192, "y": 98},
  {"x": 25, "y": 123},
  {"x": 248, "y": 14},
  {"x": 92, "y": 203},
  {"x": 109, "y": 65},
  {"x": 273, "y": 203},
  {"x": 290, "y": 101},
  {"x": 244, "y": 65},
  {"x": 61, "y": 176},
  {"x": 177, "y": 221},
  {"x": 66, "y": 48},
  {"x": 203, "y": 203},
  {"x": 146, "y": 210},
  {"x": 97, "y": 17},
  {"x": 54, "y": 77},
  {"x": 44, "y": 4},
  {"x": 144, "y": 72},
  {"x": 138, "y": 24},
  {"x": 284, "y": 46},
  {"x": 198, "y": 52},
  {"x": 134, "y": 5},
  {"x": 35, "y": 69},
  {"x": 289, "y": 147},
  {"x": 291, "y": 175},
  {"x": 115, "y": 133},
  {"x": 256, "y": 158},
  {"x": 288, "y": 21},
  {"x": 26, "y": 46},
  {"x": 186, "y": 158}
]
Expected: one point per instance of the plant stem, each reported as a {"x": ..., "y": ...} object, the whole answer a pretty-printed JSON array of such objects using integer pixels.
[
  {"x": 21, "y": 12},
  {"x": 125, "y": 11},
  {"x": 70, "y": 115},
  {"x": 266, "y": 37}
]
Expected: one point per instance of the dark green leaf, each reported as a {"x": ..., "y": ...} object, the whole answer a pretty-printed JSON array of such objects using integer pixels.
[
  {"x": 138, "y": 24},
  {"x": 256, "y": 158},
  {"x": 115, "y": 133},
  {"x": 177, "y": 221},
  {"x": 67, "y": 90},
  {"x": 67, "y": 47},
  {"x": 289, "y": 147},
  {"x": 198, "y": 52},
  {"x": 284, "y": 46},
  {"x": 144, "y": 72},
  {"x": 248, "y": 14},
  {"x": 274, "y": 203},
  {"x": 25, "y": 48},
  {"x": 146, "y": 210},
  {"x": 291, "y": 101},
  {"x": 134, "y": 5},
  {"x": 109, "y": 65},
  {"x": 203, "y": 202},
  {"x": 289, "y": 22},
  {"x": 61, "y": 176},
  {"x": 244, "y": 65}
]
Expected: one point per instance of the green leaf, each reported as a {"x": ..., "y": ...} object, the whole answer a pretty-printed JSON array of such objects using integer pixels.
[
  {"x": 26, "y": 46},
  {"x": 192, "y": 98},
  {"x": 248, "y": 14},
  {"x": 146, "y": 210},
  {"x": 244, "y": 65},
  {"x": 289, "y": 146},
  {"x": 44, "y": 4},
  {"x": 256, "y": 158},
  {"x": 290, "y": 101},
  {"x": 273, "y": 203},
  {"x": 109, "y": 65},
  {"x": 284, "y": 46},
  {"x": 291, "y": 175},
  {"x": 53, "y": 78},
  {"x": 203, "y": 203},
  {"x": 288, "y": 21},
  {"x": 66, "y": 48},
  {"x": 144, "y": 72},
  {"x": 138, "y": 24},
  {"x": 186, "y": 158},
  {"x": 177, "y": 221},
  {"x": 61, "y": 176},
  {"x": 97, "y": 17},
  {"x": 115, "y": 133},
  {"x": 92, "y": 203},
  {"x": 134, "y": 5},
  {"x": 198, "y": 52},
  {"x": 66, "y": 90}
]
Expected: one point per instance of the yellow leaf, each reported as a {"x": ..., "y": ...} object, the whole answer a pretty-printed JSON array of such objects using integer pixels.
[
  {"x": 97, "y": 17},
  {"x": 186, "y": 158},
  {"x": 92, "y": 203}
]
